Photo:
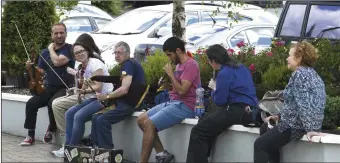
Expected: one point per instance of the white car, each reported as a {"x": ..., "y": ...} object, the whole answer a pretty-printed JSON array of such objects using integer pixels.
[
  {"x": 84, "y": 18},
  {"x": 205, "y": 34},
  {"x": 147, "y": 24},
  {"x": 84, "y": 22}
]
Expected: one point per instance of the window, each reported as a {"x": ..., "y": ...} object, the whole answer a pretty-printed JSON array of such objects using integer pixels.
[
  {"x": 222, "y": 16},
  {"x": 191, "y": 17},
  {"x": 293, "y": 21},
  {"x": 241, "y": 36},
  {"x": 260, "y": 36},
  {"x": 101, "y": 22},
  {"x": 323, "y": 22},
  {"x": 78, "y": 25}
]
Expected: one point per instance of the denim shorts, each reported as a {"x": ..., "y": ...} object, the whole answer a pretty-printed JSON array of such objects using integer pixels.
[{"x": 168, "y": 114}]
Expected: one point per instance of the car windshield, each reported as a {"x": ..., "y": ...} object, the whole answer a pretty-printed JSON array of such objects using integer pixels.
[
  {"x": 128, "y": 23},
  {"x": 198, "y": 33},
  {"x": 324, "y": 22}
]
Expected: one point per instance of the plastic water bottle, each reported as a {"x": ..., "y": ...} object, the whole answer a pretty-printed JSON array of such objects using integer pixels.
[{"x": 199, "y": 107}]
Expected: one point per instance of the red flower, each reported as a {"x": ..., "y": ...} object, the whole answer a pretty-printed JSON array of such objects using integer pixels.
[
  {"x": 198, "y": 51},
  {"x": 230, "y": 51},
  {"x": 240, "y": 44},
  {"x": 280, "y": 43},
  {"x": 252, "y": 67},
  {"x": 239, "y": 53},
  {"x": 269, "y": 54},
  {"x": 253, "y": 52}
]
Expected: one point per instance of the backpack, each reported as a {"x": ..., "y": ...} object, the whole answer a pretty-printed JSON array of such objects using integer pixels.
[{"x": 271, "y": 103}]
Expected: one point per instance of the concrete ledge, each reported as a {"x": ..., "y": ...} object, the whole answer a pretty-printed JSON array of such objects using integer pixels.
[{"x": 234, "y": 145}]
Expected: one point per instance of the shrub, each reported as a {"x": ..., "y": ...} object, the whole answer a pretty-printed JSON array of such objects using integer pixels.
[
  {"x": 332, "y": 113},
  {"x": 206, "y": 71},
  {"x": 153, "y": 67},
  {"x": 328, "y": 65},
  {"x": 34, "y": 20},
  {"x": 115, "y": 71},
  {"x": 113, "y": 7},
  {"x": 275, "y": 78}
]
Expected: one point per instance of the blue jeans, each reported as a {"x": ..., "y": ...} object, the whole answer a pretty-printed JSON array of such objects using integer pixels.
[
  {"x": 101, "y": 134},
  {"x": 168, "y": 114},
  {"x": 77, "y": 116}
]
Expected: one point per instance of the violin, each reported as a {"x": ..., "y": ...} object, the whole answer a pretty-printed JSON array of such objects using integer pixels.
[{"x": 36, "y": 83}]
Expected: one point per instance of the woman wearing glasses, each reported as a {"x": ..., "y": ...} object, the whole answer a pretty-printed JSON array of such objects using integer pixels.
[{"x": 77, "y": 115}]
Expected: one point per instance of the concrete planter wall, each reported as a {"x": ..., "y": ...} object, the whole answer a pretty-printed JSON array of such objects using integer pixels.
[{"x": 234, "y": 145}]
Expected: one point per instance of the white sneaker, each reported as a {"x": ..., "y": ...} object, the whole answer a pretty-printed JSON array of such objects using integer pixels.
[{"x": 59, "y": 153}]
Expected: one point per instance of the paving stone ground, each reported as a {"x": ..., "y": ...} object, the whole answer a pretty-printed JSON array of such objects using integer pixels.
[{"x": 39, "y": 152}]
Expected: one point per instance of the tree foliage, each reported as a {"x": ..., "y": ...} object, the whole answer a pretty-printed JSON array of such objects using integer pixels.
[
  {"x": 34, "y": 20},
  {"x": 113, "y": 7}
]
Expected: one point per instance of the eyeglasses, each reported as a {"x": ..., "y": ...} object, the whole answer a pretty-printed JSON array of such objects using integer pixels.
[
  {"x": 79, "y": 52},
  {"x": 118, "y": 52}
]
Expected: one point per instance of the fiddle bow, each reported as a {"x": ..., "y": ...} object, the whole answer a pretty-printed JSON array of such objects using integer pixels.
[{"x": 36, "y": 84}]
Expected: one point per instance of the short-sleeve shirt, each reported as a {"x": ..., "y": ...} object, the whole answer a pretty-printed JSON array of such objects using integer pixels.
[
  {"x": 93, "y": 65},
  {"x": 135, "y": 69},
  {"x": 51, "y": 78},
  {"x": 187, "y": 71}
]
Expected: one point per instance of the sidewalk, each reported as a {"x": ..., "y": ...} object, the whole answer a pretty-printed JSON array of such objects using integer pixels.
[{"x": 39, "y": 152}]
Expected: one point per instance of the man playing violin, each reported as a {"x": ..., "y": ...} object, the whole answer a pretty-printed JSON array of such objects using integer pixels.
[{"x": 56, "y": 58}]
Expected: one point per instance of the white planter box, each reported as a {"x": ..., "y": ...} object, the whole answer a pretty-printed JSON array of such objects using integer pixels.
[{"x": 234, "y": 145}]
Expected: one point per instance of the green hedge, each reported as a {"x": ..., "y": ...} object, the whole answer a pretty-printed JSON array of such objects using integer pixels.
[
  {"x": 34, "y": 20},
  {"x": 332, "y": 114}
]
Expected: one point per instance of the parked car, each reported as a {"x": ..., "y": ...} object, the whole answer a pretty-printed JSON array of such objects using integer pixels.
[
  {"x": 205, "y": 34},
  {"x": 307, "y": 20},
  {"x": 150, "y": 23},
  {"x": 84, "y": 18},
  {"x": 84, "y": 22},
  {"x": 83, "y": 7}
]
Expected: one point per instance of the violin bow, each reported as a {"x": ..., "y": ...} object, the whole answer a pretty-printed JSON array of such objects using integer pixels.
[
  {"x": 41, "y": 57},
  {"x": 22, "y": 41},
  {"x": 214, "y": 76}
]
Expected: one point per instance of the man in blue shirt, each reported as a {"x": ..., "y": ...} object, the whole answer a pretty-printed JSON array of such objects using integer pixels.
[
  {"x": 126, "y": 97},
  {"x": 58, "y": 57}
]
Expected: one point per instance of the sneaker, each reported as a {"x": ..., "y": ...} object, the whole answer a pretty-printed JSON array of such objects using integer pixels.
[
  {"x": 166, "y": 157},
  {"x": 48, "y": 137},
  {"x": 28, "y": 141},
  {"x": 59, "y": 153}
]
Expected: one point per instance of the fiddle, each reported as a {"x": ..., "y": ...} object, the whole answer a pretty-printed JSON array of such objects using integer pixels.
[{"x": 36, "y": 84}]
